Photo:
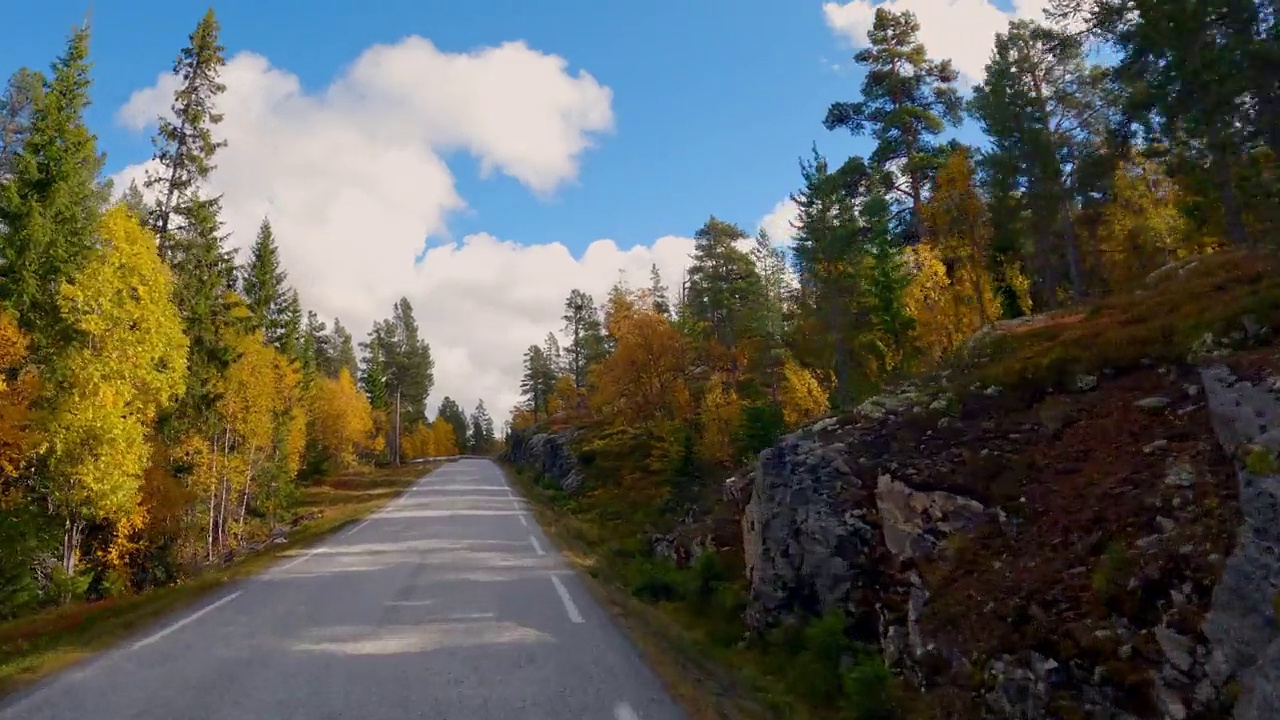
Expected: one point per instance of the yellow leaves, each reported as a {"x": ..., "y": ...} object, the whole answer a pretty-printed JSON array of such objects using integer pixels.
[
  {"x": 418, "y": 443},
  {"x": 801, "y": 395},
  {"x": 444, "y": 442},
  {"x": 521, "y": 417},
  {"x": 128, "y": 361},
  {"x": 1142, "y": 228},
  {"x": 342, "y": 419},
  {"x": 720, "y": 414},
  {"x": 643, "y": 381},
  {"x": 19, "y": 385}
]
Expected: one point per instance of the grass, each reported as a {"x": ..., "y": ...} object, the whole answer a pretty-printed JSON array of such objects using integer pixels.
[
  {"x": 32, "y": 648},
  {"x": 712, "y": 679}
]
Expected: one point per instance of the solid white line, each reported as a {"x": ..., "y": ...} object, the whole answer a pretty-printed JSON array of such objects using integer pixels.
[
  {"x": 186, "y": 620},
  {"x": 569, "y": 607},
  {"x": 357, "y": 527},
  {"x": 298, "y": 560},
  {"x": 536, "y": 547},
  {"x": 523, "y": 521},
  {"x": 623, "y": 711}
]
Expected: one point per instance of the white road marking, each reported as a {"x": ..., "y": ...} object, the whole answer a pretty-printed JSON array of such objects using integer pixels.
[
  {"x": 523, "y": 521},
  {"x": 536, "y": 547},
  {"x": 186, "y": 620},
  {"x": 623, "y": 711},
  {"x": 357, "y": 527},
  {"x": 298, "y": 560},
  {"x": 569, "y": 607}
]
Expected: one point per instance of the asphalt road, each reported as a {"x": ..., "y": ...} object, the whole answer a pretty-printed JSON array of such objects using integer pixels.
[{"x": 449, "y": 603}]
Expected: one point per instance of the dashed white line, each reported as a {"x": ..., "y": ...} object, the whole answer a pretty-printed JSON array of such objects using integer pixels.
[
  {"x": 569, "y": 607},
  {"x": 623, "y": 711},
  {"x": 186, "y": 620},
  {"x": 523, "y": 521},
  {"x": 536, "y": 547}
]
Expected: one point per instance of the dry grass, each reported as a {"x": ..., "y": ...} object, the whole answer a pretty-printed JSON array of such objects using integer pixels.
[{"x": 34, "y": 647}]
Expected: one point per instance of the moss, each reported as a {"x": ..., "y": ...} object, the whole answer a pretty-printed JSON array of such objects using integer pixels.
[{"x": 1261, "y": 461}]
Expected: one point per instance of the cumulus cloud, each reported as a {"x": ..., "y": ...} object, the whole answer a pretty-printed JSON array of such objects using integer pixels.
[
  {"x": 354, "y": 181},
  {"x": 779, "y": 223},
  {"x": 962, "y": 30}
]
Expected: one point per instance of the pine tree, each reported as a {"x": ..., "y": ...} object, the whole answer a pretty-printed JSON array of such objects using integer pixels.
[
  {"x": 725, "y": 292},
  {"x": 658, "y": 292},
  {"x": 586, "y": 336},
  {"x": 907, "y": 100},
  {"x": 51, "y": 202},
  {"x": 481, "y": 434},
  {"x": 538, "y": 383}
]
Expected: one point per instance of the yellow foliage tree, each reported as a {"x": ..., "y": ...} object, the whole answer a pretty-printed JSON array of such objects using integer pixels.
[
  {"x": 1142, "y": 227},
  {"x": 801, "y": 395},
  {"x": 128, "y": 360},
  {"x": 444, "y": 442},
  {"x": 419, "y": 442},
  {"x": 643, "y": 381},
  {"x": 521, "y": 417},
  {"x": 720, "y": 414},
  {"x": 342, "y": 419},
  {"x": 19, "y": 385}
]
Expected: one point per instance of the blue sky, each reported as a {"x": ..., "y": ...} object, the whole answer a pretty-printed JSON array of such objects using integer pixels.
[
  {"x": 380, "y": 148},
  {"x": 713, "y": 106}
]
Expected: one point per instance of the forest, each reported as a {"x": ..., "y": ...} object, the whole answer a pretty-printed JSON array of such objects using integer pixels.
[
  {"x": 163, "y": 402},
  {"x": 1093, "y": 174}
]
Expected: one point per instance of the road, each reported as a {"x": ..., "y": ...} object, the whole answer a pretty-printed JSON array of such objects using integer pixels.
[{"x": 449, "y": 603}]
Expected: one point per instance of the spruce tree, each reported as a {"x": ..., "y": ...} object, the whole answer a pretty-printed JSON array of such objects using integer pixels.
[
  {"x": 265, "y": 288},
  {"x": 51, "y": 200}
]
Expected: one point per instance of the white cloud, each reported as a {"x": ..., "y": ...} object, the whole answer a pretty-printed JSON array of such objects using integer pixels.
[
  {"x": 962, "y": 30},
  {"x": 353, "y": 180},
  {"x": 779, "y": 223}
]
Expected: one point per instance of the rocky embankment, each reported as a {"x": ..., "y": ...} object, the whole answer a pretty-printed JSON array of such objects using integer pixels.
[
  {"x": 547, "y": 453},
  {"x": 1107, "y": 552}
]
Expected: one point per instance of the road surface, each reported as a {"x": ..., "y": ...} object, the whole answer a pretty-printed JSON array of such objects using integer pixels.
[{"x": 449, "y": 604}]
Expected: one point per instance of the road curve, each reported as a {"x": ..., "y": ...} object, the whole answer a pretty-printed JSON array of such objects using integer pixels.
[{"x": 449, "y": 604}]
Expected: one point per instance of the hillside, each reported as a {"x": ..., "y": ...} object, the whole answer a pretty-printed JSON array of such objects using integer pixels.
[{"x": 1076, "y": 517}]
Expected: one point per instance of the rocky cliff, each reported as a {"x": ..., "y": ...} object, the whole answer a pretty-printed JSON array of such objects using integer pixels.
[
  {"x": 549, "y": 454},
  {"x": 1110, "y": 551}
]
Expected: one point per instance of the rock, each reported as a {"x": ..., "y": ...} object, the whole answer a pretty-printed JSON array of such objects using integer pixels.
[
  {"x": 1242, "y": 622},
  {"x": 1155, "y": 446},
  {"x": 1086, "y": 383},
  {"x": 1166, "y": 525},
  {"x": 1170, "y": 704},
  {"x": 1156, "y": 402},
  {"x": 1253, "y": 328},
  {"x": 1179, "y": 475},
  {"x": 1176, "y": 648},
  {"x": 913, "y": 521},
  {"x": 549, "y": 454},
  {"x": 803, "y": 554}
]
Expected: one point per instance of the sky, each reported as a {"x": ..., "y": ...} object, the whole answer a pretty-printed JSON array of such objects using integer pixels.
[{"x": 484, "y": 158}]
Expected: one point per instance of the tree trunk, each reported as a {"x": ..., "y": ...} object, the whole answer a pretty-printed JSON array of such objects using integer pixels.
[{"x": 71, "y": 544}]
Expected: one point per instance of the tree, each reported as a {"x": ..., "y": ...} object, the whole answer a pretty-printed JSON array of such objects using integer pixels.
[
  {"x": 724, "y": 289},
  {"x": 907, "y": 100},
  {"x": 586, "y": 338},
  {"x": 643, "y": 382},
  {"x": 481, "y": 433},
  {"x": 187, "y": 223},
  {"x": 1044, "y": 109},
  {"x": 457, "y": 419},
  {"x": 19, "y": 386},
  {"x": 719, "y": 416},
  {"x": 344, "y": 351},
  {"x": 317, "y": 353},
  {"x": 128, "y": 361},
  {"x": 51, "y": 202},
  {"x": 17, "y": 105},
  {"x": 551, "y": 349},
  {"x": 265, "y": 289},
  {"x": 342, "y": 419},
  {"x": 443, "y": 441},
  {"x": 658, "y": 292},
  {"x": 538, "y": 383}
]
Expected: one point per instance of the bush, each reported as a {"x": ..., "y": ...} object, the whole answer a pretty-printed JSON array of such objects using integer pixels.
[
  {"x": 761, "y": 426},
  {"x": 655, "y": 581},
  {"x": 868, "y": 689}
]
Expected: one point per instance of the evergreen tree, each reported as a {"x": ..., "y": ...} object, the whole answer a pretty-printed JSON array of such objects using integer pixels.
[
  {"x": 17, "y": 104},
  {"x": 539, "y": 382},
  {"x": 317, "y": 355},
  {"x": 135, "y": 203},
  {"x": 51, "y": 200},
  {"x": 481, "y": 434},
  {"x": 453, "y": 414},
  {"x": 658, "y": 292},
  {"x": 586, "y": 336},
  {"x": 725, "y": 291},
  {"x": 344, "y": 351},
  {"x": 265, "y": 288},
  {"x": 907, "y": 100},
  {"x": 412, "y": 368},
  {"x": 187, "y": 223},
  {"x": 292, "y": 343}
]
